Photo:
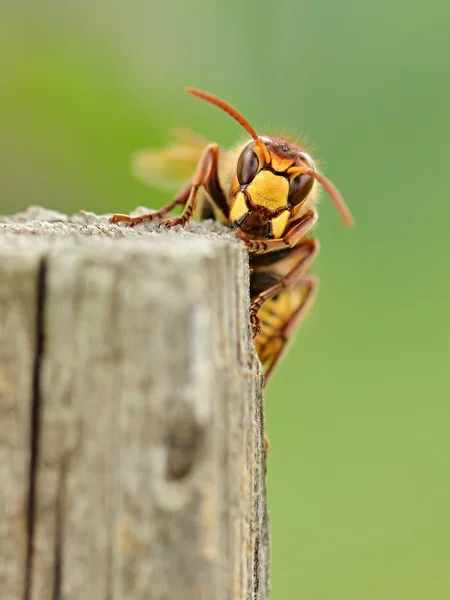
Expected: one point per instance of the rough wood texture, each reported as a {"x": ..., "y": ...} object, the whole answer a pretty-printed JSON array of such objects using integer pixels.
[{"x": 131, "y": 422}]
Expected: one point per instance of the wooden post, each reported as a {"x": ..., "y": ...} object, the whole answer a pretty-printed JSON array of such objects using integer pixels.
[{"x": 131, "y": 422}]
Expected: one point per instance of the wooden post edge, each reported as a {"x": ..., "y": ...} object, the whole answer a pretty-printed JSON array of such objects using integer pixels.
[{"x": 132, "y": 461}]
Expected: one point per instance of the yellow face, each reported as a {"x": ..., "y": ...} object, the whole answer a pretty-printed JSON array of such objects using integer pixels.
[
  {"x": 265, "y": 194},
  {"x": 269, "y": 190}
]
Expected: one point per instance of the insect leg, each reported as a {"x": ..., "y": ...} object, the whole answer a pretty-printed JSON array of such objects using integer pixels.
[
  {"x": 181, "y": 198},
  {"x": 309, "y": 250},
  {"x": 188, "y": 195},
  {"x": 310, "y": 286},
  {"x": 294, "y": 233},
  {"x": 207, "y": 165}
]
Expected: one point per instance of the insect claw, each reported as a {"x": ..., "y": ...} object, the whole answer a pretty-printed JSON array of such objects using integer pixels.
[
  {"x": 256, "y": 331},
  {"x": 255, "y": 323},
  {"x": 115, "y": 219},
  {"x": 169, "y": 223},
  {"x": 130, "y": 221}
]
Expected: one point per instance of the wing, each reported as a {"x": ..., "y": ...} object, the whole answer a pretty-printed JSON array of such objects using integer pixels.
[{"x": 173, "y": 165}]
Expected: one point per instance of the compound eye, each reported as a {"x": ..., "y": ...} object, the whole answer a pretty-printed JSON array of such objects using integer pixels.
[
  {"x": 302, "y": 185},
  {"x": 300, "y": 189},
  {"x": 248, "y": 165}
]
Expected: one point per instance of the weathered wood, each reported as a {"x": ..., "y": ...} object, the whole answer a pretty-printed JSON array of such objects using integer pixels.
[{"x": 131, "y": 422}]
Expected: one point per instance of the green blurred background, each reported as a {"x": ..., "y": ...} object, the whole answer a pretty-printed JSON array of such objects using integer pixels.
[{"x": 358, "y": 414}]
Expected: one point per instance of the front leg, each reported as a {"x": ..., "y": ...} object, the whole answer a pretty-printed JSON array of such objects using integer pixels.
[
  {"x": 293, "y": 234},
  {"x": 206, "y": 165},
  {"x": 205, "y": 175},
  {"x": 180, "y": 199}
]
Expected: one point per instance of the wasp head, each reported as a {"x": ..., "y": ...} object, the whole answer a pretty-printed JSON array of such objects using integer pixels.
[
  {"x": 274, "y": 179},
  {"x": 271, "y": 185}
]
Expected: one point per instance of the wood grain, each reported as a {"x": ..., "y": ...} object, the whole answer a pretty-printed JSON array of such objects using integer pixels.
[{"x": 131, "y": 417}]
